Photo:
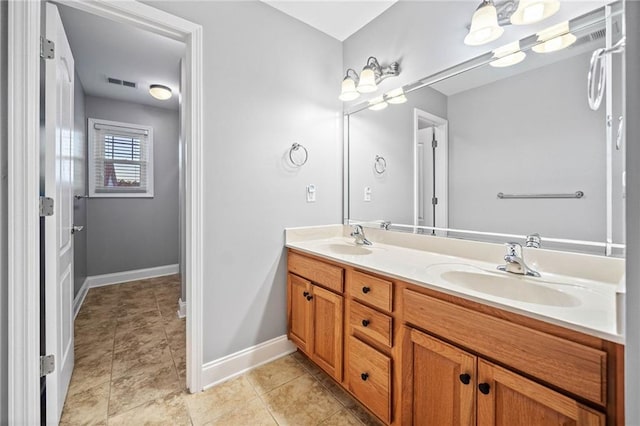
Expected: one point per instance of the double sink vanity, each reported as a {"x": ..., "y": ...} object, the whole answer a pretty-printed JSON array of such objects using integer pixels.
[{"x": 427, "y": 330}]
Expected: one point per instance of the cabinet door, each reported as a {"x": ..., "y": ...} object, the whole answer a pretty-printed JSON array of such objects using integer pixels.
[
  {"x": 506, "y": 398},
  {"x": 442, "y": 378},
  {"x": 327, "y": 313},
  {"x": 299, "y": 312}
]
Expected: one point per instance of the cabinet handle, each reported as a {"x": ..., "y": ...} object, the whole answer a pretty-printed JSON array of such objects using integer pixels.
[
  {"x": 366, "y": 290},
  {"x": 305, "y": 294},
  {"x": 364, "y": 376},
  {"x": 484, "y": 388},
  {"x": 365, "y": 323},
  {"x": 465, "y": 378},
  {"x": 309, "y": 297}
]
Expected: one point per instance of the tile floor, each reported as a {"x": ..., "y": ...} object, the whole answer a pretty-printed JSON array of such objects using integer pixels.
[{"x": 130, "y": 370}]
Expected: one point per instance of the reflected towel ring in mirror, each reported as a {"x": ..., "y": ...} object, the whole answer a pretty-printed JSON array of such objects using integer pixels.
[
  {"x": 301, "y": 161},
  {"x": 380, "y": 165}
]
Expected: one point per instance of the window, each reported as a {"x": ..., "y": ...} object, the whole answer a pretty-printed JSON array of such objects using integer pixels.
[{"x": 120, "y": 159}]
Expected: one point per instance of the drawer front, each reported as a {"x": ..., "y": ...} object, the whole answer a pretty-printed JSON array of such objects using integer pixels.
[
  {"x": 326, "y": 275},
  {"x": 573, "y": 367},
  {"x": 370, "y": 378},
  {"x": 371, "y": 290},
  {"x": 371, "y": 323}
]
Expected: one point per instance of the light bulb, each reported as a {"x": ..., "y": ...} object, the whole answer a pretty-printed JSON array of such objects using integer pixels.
[
  {"x": 484, "y": 25},
  {"x": 349, "y": 91},
  {"x": 530, "y": 11},
  {"x": 367, "y": 82},
  {"x": 160, "y": 92}
]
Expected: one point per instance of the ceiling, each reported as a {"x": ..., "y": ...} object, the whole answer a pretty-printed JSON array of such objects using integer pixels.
[
  {"x": 104, "y": 48},
  {"x": 339, "y": 19}
]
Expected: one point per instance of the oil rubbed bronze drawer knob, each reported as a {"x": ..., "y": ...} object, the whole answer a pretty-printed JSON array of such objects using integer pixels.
[
  {"x": 364, "y": 376},
  {"x": 465, "y": 378},
  {"x": 484, "y": 388},
  {"x": 309, "y": 297},
  {"x": 366, "y": 290},
  {"x": 305, "y": 294},
  {"x": 365, "y": 323}
]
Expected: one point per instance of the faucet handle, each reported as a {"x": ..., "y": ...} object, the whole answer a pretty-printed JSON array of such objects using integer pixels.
[{"x": 513, "y": 249}]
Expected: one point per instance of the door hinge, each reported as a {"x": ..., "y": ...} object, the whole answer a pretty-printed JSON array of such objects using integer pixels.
[
  {"x": 47, "y": 48},
  {"x": 434, "y": 200},
  {"x": 434, "y": 144},
  {"x": 47, "y": 365},
  {"x": 46, "y": 206}
]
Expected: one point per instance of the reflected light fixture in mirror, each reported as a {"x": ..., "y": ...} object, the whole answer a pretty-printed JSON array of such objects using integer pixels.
[
  {"x": 396, "y": 96},
  {"x": 508, "y": 55},
  {"x": 484, "y": 25},
  {"x": 531, "y": 11},
  {"x": 377, "y": 103},
  {"x": 554, "y": 38},
  {"x": 160, "y": 92}
]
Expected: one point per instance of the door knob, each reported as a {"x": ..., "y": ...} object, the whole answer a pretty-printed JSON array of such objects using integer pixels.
[
  {"x": 365, "y": 323},
  {"x": 484, "y": 388},
  {"x": 76, "y": 228},
  {"x": 465, "y": 378}
]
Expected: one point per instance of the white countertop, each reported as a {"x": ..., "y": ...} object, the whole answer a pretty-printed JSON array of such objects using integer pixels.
[{"x": 580, "y": 303}]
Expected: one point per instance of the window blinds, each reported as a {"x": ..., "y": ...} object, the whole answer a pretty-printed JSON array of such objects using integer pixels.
[{"x": 121, "y": 157}]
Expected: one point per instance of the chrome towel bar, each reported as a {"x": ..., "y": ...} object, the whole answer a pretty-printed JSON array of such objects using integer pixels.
[{"x": 577, "y": 194}]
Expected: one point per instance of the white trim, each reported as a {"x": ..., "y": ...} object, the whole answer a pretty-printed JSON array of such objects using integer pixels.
[
  {"x": 233, "y": 365},
  {"x": 79, "y": 299},
  {"x": 182, "y": 308},
  {"x": 23, "y": 156},
  {"x": 126, "y": 276}
]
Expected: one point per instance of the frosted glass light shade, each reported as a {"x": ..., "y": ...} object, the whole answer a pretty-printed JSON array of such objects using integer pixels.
[
  {"x": 508, "y": 55},
  {"x": 530, "y": 11},
  {"x": 484, "y": 26},
  {"x": 160, "y": 92},
  {"x": 377, "y": 104},
  {"x": 367, "y": 82},
  {"x": 396, "y": 96},
  {"x": 554, "y": 38},
  {"x": 349, "y": 91}
]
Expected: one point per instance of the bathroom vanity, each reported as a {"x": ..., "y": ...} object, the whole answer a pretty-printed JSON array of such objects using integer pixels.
[{"x": 421, "y": 336}]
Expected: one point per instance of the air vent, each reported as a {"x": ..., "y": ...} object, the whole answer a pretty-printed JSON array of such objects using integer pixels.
[
  {"x": 119, "y": 82},
  {"x": 596, "y": 35}
]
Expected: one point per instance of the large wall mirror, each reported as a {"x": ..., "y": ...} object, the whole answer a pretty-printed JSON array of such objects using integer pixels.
[{"x": 492, "y": 152}]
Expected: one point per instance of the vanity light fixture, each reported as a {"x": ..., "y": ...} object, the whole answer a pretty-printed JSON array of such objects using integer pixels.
[
  {"x": 396, "y": 96},
  {"x": 531, "y": 11},
  {"x": 554, "y": 38},
  {"x": 378, "y": 103},
  {"x": 484, "y": 25},
  {"x": 507, "y": 55},
  {"x": 367, "y": 82},
  {"x": 160, "y": 92}
]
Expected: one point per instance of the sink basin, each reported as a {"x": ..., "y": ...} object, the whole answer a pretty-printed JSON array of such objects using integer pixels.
[
  {"x": 509, "y": 287},
  {"x": 349, "y": 249}
]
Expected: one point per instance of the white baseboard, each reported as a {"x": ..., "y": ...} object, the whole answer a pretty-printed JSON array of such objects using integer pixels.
[
  {"x": 79, "y": 299},
  {"x": 233, "y": 365},
  {"x": 138, "y": 274},
  {"x": 182, "y": 308}
]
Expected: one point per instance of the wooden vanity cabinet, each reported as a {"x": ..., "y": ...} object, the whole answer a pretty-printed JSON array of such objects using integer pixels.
[{"x": 447, "y": 385}]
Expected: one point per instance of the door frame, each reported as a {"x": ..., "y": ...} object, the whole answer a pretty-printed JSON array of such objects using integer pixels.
[{"x": 23, "y": 101}]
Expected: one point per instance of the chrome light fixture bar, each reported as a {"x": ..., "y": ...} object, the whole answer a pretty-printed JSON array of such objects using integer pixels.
[{"x": 367, "y": 82}]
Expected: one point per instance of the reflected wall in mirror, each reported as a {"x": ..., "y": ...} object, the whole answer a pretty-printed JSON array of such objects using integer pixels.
[{"x": 525, "y": 129}]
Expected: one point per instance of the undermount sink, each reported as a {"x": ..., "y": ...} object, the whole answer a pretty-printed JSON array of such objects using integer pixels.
[
  {"x": 347, "y": 248},
  {"x": 509, "y": 287}
]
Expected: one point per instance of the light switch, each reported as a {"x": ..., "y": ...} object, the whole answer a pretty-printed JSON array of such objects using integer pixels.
[
  {"x": 367, "y": 193},
  {"x": 311, "y": 193}
]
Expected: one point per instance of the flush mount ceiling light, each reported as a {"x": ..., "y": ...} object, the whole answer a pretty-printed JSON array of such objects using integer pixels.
[
  {"x": 554, "y": 38},
  {"x": 367, "y": 82},
  {"x": 396, "y": 96},
  {"x": 484, "y": 25},
  {"x": 531, "y": 11},
  {"x": 160, "y": 92},
  {"x": 508, "y": 55},
  {"x": 377, "y": 104}
]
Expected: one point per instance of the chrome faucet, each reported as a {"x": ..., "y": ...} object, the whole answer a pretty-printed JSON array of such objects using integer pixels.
[
  {"x": 515, "y": 261},
  {"x": 358, "y": 234},
  {"x": 385, "y": 225}
]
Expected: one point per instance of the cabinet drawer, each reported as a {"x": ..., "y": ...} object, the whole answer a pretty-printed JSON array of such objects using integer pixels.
[
  {"x": 326, "y": 275},
  {"x": 370, "y": 378},
  {"x": 371, "y": 323},
  {"x": 374, "y": 291},
  {"x": 573, "y": 367}
]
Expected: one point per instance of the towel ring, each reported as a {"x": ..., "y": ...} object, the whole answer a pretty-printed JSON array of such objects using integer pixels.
[
  {"x": 380, "y": 165},
  {"x": 296, "y": 146}
]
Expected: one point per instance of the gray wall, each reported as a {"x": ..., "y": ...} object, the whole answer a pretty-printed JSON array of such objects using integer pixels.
[
  {"x": 269, "y": 81},
  {"x": 388, "y": 133},
  {"x": 529, "y": 133},
  {"x": 125, "y": 234},
  {"x": 79, "y": 182},
  {"x": 632, "y": 349},
  {"x": 3, "y": 214}
]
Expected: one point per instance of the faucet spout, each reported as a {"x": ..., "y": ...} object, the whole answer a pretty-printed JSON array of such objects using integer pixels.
[
  {"x": 515, "y": 263},
  {"x": 358, "y": 234}
]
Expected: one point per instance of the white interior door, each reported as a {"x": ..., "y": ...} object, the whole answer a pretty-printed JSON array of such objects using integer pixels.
[{"x": 58, "y": 243}]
